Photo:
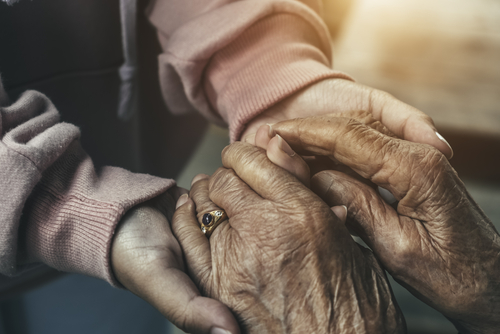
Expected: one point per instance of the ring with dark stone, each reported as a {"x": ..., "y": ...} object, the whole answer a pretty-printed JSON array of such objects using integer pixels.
[
  {"x": 207, "y": 219},
  {"x": 211, "y": 220}
]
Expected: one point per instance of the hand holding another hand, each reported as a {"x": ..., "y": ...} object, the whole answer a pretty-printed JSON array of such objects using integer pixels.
[
  {"x": 343, "y": 98},
  {"x": 282, "y": 262},
  {"x": 437, "y": 243},
  {"x": 148, "y": 261}
]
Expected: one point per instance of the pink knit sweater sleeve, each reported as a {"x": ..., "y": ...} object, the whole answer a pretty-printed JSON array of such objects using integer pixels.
[
  {"x": 231, "y": 60},
  {"x": 55, "y": 207}
]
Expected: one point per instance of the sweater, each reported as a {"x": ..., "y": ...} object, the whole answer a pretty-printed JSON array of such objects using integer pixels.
[{"x": 228, "y": 60}]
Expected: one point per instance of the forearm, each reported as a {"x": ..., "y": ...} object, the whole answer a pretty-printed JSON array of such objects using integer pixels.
[
  {"x": 231, "y": 70},
  {"x": 56, "y": 208}
]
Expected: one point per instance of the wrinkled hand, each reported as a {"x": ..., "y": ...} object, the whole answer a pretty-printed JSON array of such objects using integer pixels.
[
  {"x": 342, "y": 97},
  {"x": 437, "y": 243},
  {"x": 147, "y": 260},
  {"x": 282, "y": 262}
]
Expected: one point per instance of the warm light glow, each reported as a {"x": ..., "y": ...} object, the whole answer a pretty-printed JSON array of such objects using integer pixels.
[{"x": 442, "y": 56}]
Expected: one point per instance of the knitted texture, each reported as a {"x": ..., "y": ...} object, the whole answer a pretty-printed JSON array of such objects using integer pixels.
[
  {"x": 54, "y": 207},
  {"x": 231, "y": 61},
  {"x": 274, "y": 58}
]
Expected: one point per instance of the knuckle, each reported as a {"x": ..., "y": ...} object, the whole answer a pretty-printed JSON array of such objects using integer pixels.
[
  {"x": 249, "y": 155},
  {"x": 431, "y": 176},
  {"x": 363, "y": 134},
  {"x": 434, "y": 158},
  {"x": 220, "y": 180},
  {"x": 238, "y": 150},
  {"x": 427, "y": 164},
  {"x": 217, "y": 176}
]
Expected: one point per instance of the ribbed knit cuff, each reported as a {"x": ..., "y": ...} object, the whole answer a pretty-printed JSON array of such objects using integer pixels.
[
  {"x": 276, "y": 57},
  {"x": 72, "y": 214},
  {"x": 77, "y": 235}
]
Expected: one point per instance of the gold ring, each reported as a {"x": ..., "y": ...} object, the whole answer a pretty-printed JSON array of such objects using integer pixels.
[{"x": 211, "y": 220}]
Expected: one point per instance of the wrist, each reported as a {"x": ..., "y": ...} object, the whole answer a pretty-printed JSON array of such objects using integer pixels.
[
  {"x": 322, "y": 97},
  {"x": 272, "y": 115},
  {"x": 481, "y": 311}
]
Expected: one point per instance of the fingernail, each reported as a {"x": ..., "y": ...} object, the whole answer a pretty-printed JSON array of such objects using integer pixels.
[
  {"x": 198, "y": 178},
  {"x": 345, "y": 217},
  {"x": 182, "y": 200},
  {"x": 446, "y": 142},
  {"x": 283, "y": 145},
  {"x": 249, "y": 139},
  {"x": 342, "y": 213},
  {"x": 217, "y": 330},
  {"x": 271, "y": 131}
]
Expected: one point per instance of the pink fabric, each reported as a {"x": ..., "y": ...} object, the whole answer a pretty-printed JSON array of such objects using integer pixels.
[
  {"x": 231, "y": 60},
  {"x": 54, "y": 207},
  {"x": 72, "y": 213}
]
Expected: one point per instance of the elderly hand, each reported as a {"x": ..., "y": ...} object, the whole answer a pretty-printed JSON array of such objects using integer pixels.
[
  {"x": 437, "y": 243},
  {"x": 341, "y": 97},
  {"x": 282, "y": 262},
  {"x": 147, "y": 260}
]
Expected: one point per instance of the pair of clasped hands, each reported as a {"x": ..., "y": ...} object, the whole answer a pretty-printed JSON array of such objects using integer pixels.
[{"x": 285, "y": 262}]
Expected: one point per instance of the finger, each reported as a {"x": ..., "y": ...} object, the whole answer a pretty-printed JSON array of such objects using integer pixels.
[
  {"x": 192, "y": 312},
  {"x": 204, "y": 205},
  {"x": 388, "y": 162},
  {"x": 183, "y": 199},
  {"x": 194, "y": 244},
  {"x": 280, "y": 153},
  {"x": 178, "y": 299},
  {"x": 228, "y": 191},
  {"x": 199, "y": 177},
  {"x": 163, "y": 283},
  {"x": 341, "y": 212},
  {"x": 319, "y": 163},
  {"x": 376, "y": 222},
  {"x": 268, "y": 180},
  {"x": 199, "y": 194},
  {"x": 407, "y": 122},
  {"x": 366, "y": 117},
  {"x": 176, "y": 192},
  {"x": 250, "y": 139},
  {"x": 263, "y": 136}
]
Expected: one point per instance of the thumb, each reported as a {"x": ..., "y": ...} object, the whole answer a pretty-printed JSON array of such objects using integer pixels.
[
  {"x": 279, "y": 152},
  {"x": 197, "y": 314},
  {"x": 368, "y": 215},
  {"x": 407, "y": 122}
]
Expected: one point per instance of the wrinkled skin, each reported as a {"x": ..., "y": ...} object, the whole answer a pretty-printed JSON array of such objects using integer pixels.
[
  {"x": 339, "y": 96},
  {"x": 282, "y": 262},
  {"x": 437, "y": 243},
  {"x": 147, "y": 260},
  {"x": 314, "y": 164}
]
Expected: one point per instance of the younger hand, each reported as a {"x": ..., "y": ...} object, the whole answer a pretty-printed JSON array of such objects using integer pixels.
[
  {"x": 345, "y": 98},
  {"x": 148, "y": 261}
]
